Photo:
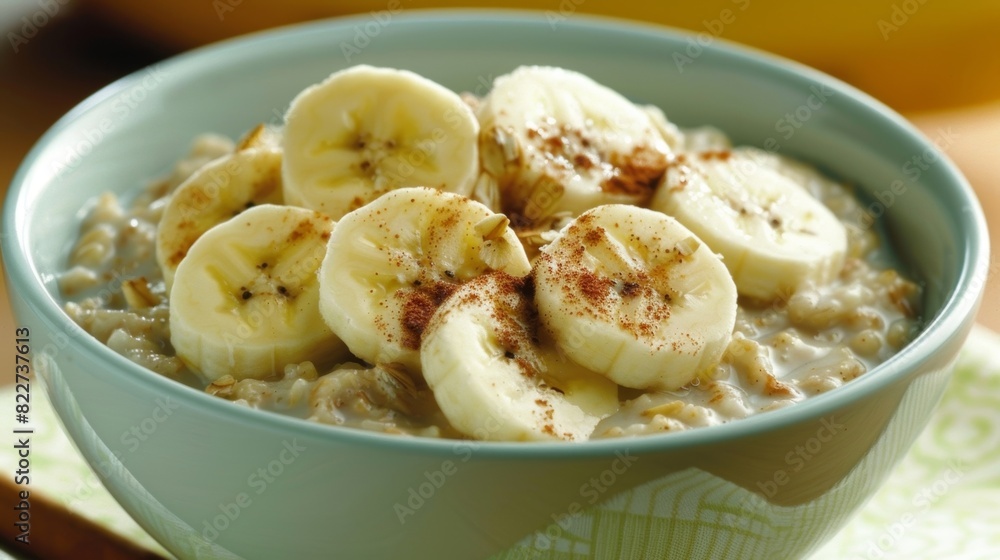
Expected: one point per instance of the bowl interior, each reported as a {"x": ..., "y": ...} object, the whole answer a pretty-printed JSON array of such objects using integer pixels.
[{"x": 134, "y": 129}]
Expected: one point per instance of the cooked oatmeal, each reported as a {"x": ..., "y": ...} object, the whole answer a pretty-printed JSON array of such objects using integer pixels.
[{"x": 782, "y": 351}]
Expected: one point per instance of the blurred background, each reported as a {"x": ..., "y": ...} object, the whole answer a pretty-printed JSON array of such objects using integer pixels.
[{"x": 936, "y": 62}]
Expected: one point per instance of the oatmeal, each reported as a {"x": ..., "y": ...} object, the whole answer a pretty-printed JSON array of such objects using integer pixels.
[{"x": 585, "y": 270}]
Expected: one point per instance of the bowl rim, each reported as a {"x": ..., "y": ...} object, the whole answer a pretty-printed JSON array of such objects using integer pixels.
[{"x": 26, "y": 281}]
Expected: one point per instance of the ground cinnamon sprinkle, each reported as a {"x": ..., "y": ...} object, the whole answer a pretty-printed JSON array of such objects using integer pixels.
[
  {"x": 629, "y": 299},
  {"x": 570, "y": 150},
  {"x": 594, "y": 236},
  {"x": 594, "y": 287},
  {"x": 583, "y": 161},
  {"x": 528, "y": 369},
  {"x": 303, "y": 229},
  {"x": 419, "y": 305},
  {"x": 515, "y": 326},
  {"x": 721, "y": 155},
  {"x": 630, "y": 289},
  {"x": 514, "y": 318},
  {"x": 638, "y": 172}
]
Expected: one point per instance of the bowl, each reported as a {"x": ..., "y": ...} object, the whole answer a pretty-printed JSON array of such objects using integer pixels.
[{"x": 212, "y": 480}]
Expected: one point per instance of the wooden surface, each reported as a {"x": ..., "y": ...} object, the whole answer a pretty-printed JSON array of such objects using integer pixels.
[{"x": 57, "y": 533}]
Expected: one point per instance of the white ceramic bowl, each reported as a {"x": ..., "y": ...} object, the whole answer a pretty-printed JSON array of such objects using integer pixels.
[{"x": 209, "y": 479}]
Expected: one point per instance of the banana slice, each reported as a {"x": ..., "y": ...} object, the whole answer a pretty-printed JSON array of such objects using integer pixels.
[
  {"x": 557, "y": 141},
  {"x": 492, "y": 377},
  {"x": 774, "y": 236},
  {"x": 365, "y": 131},
  {"x": 215, "y": 193},
  {"x": 634, "y": 295},
  {"x": 669, "y": 131},
  {"x": 805, "y": 176},
  {"x": 704, "y": 139},
  {"x": 245, "y": 299},
  {"x": 391, "y": 263}
]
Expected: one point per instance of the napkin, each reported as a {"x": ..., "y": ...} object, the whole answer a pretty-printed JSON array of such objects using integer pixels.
[{"x": 939, "y": 502}]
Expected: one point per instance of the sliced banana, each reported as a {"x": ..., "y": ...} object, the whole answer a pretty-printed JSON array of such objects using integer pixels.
[
  {"x": 245, "y": 299},
  {"x": 704, "y": 139},
  {"x": 215, "y": 193},
  {"x": 805, "y": 176},
  {"x": 391, "y": 263},
  {"x": 634, "y": 295},
  {"x": 773, "y": 235},
  {"x": 365, "y": 131},
  {"x": 669, "y": 131},
  {"x": 557, "y": 141},
  {"x": 494, "y": 378}
]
